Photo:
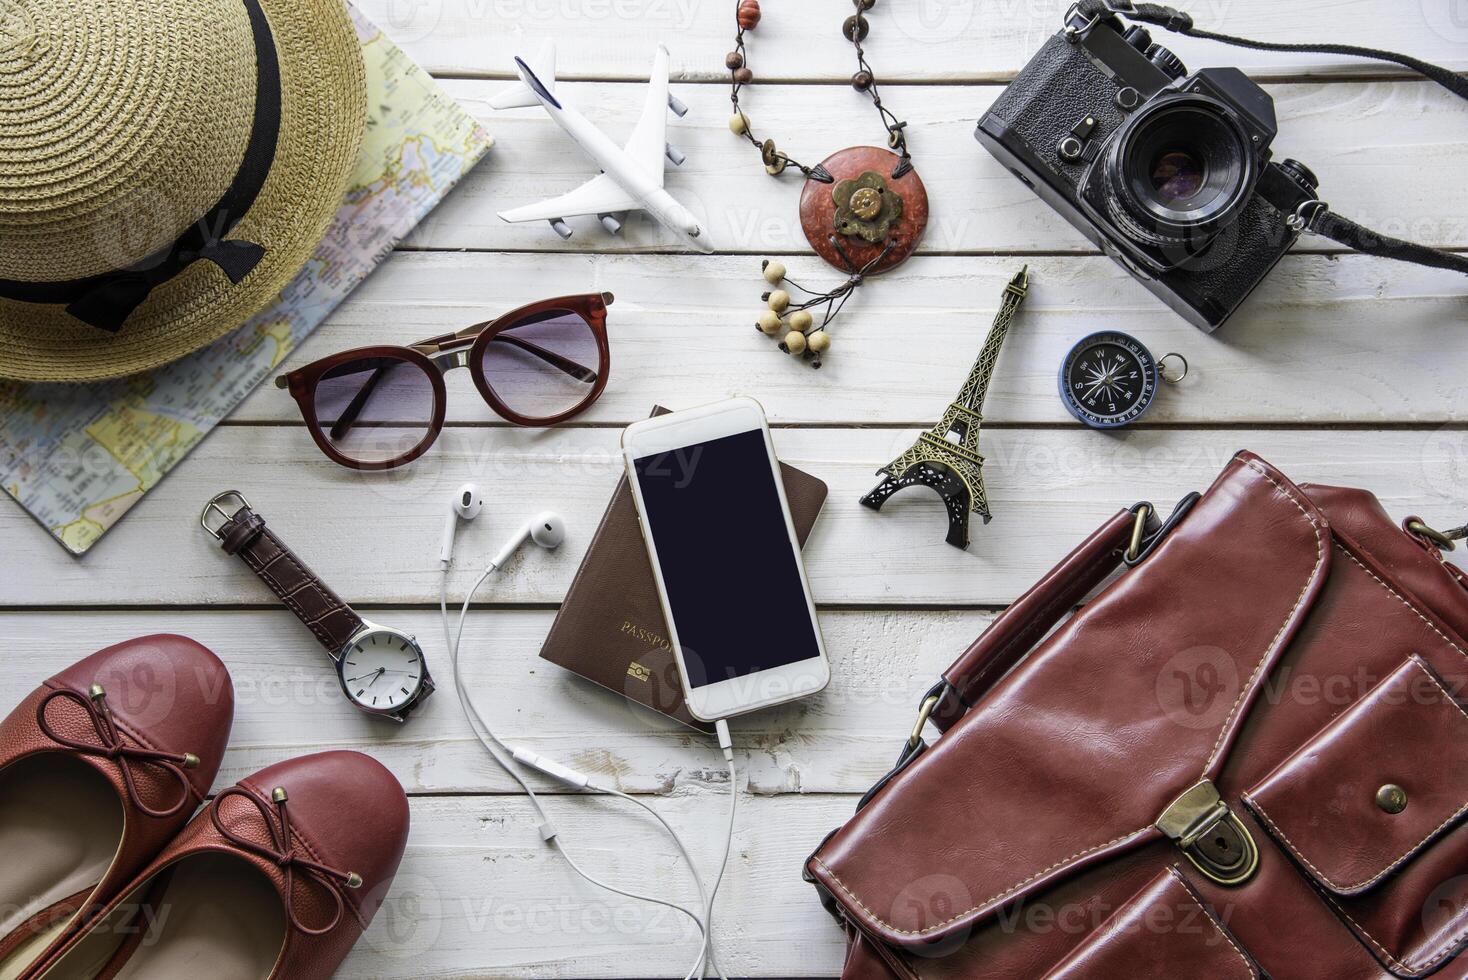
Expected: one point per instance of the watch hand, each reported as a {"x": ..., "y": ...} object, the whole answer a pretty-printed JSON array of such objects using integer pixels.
[{"x": 373, "y": 674}]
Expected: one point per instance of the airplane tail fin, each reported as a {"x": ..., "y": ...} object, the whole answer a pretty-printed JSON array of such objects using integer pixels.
[{"x": 542, "y": 69}]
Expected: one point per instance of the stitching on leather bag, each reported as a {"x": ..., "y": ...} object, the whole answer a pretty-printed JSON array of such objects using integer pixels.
[
  {"x": 1188, "y": 890},
  {"x": 1447, "y": 948},
  {"x": 992, "y": 898},
  {"x": 1403, "y": 600},
  {"x": 1397, "y": 862},
  {"x": 1299, "y": 601}
]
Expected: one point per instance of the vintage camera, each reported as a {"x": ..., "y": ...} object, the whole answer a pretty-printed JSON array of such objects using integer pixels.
[{"x": 1168, "y": 173}]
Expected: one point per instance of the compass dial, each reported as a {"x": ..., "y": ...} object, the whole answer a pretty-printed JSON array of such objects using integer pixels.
[{"x": 1108, "y": 380}]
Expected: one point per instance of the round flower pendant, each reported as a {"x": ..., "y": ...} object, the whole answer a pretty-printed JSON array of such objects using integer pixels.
[{"x": 864, "y": 211}]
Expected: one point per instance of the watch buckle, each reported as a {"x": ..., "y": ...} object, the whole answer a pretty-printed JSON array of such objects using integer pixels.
[{"x": 215, "y": 506}]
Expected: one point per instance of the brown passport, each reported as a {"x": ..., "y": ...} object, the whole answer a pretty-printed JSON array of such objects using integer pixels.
[{"x": 610, "y": 629}]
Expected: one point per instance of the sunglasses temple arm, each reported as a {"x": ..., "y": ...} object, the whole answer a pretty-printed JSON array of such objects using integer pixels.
[
  {"x": 578, "y": 371},
  {"x": 359, "y": 401}
]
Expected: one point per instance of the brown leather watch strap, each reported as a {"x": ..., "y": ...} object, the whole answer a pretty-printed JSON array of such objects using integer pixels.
[{"x": 332, "y": 621}]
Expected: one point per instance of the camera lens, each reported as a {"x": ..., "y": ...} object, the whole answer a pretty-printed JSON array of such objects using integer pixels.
[
  {"x": 1180, "y": 169},
  {"x": 1177, "y": 176}
]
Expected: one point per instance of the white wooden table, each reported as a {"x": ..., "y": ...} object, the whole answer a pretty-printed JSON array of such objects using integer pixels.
[{"x": 1342, "y": 369}]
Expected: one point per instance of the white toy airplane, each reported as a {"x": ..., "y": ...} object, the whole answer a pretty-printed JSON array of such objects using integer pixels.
[{"x": 631, "y": 177}]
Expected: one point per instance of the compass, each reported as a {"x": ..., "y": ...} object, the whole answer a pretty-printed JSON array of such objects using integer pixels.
[{"x": 1110, "y": 379}]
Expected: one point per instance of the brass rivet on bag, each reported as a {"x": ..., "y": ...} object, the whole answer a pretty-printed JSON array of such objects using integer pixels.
[
  {"x": 354, "y": 881},
  {"x": 279, "y": 794},
  {"x": 190, "y": 761},
  {"x": 1392, "y": 798}
]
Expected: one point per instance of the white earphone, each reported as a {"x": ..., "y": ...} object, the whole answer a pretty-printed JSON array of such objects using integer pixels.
[
  {"x": 548, "y": 530},
  {"x": 468, "y": 502},
  {"x": 545, "y": 529}
]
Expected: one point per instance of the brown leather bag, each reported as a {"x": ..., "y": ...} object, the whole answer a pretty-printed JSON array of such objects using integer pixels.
[{"x": 1246, "y": 757}]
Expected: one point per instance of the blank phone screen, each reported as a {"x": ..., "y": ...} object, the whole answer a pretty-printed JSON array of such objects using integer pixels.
[{"x": 730, "y": 571}]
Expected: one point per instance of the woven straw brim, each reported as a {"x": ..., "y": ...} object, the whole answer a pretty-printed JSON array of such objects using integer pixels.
[{"x": 323, "y": 113}]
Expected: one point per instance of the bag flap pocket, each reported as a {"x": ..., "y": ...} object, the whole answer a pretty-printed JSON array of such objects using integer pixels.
[
  {"x": 1375, "y": 787},
  {"x": 1162, "y": 932}
]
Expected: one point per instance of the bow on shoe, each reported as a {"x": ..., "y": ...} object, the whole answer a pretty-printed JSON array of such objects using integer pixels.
[
  {"x": 110, "y": 745},
  {"x": 282, "y": 852}
]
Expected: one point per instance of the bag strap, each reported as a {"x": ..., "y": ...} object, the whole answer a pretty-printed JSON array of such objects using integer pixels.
[
  {"x": 1309, "y": 214},
  {"x": 1030, "y": 617}
]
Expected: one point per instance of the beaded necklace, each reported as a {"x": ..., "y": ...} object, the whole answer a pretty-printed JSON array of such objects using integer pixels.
[{"x": 863, "y": 209}]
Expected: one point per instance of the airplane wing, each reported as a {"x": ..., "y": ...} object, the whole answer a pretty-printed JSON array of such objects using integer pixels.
[
  {"x": 649, "y": 143},
  {"x": 543, "y": 68},
  {"x": 599, "y": 195}
]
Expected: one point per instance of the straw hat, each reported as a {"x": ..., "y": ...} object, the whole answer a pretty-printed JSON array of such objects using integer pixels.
[{"x": 166, "y": 168}]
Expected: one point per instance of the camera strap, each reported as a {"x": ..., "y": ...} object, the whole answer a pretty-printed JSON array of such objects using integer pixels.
[{"x": 1310, "y": 214}]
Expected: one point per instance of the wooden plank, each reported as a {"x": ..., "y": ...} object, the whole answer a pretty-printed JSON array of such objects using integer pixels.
[
  {"x": 287, "y": 701},
  {"x": 930, "y": 40},
  {"x": 480, "y": 895},
  {"x": 1352, "y": 135},
  {"x": 1324, "y": 340},
  {"x": 375, "y": 537}
]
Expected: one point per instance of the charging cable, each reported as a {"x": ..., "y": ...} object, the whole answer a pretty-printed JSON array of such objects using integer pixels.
[{"x": 509, "y": 757}]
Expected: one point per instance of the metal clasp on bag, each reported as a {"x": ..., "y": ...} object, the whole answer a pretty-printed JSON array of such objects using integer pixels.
[
  {"x": 214, "y": 506},
  {"x": 1143, "y": 544},
  {"x": 1213, "y": 838},
  {"x": 1446, "y": 540},
  {"x": 924, "y": 713}
]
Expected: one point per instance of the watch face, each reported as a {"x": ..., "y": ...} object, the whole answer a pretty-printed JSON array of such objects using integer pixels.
[
  {"x": 1108, "y": 380},
  {"x": 382, "y": 670}
]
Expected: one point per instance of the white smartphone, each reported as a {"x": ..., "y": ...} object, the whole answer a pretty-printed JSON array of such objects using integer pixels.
[{"x": 727, "y": 562}]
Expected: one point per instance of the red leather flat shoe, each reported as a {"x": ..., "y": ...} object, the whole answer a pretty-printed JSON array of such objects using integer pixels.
[
  {"x": 275, "y": 880},
  {"x": 99, "y": 769}
]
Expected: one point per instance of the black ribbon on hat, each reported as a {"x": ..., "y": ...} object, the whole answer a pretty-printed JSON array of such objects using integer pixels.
[{"x": 105, "y": 301}]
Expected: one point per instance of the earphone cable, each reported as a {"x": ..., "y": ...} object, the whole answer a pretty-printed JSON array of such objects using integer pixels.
[{"x": 498, "y": 750}]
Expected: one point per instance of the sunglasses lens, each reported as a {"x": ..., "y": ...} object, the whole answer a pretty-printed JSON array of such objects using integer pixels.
[
  {"x": 375, "y": 409},
  {"x": 544, "y": 365}
]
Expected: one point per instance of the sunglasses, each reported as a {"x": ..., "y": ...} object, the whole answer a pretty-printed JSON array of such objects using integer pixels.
[{"x": 374, "y": 408}]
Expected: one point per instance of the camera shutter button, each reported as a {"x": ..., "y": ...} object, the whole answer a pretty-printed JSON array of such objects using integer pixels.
[
  {"x": 1164, "y": 59},
  {"x": 1301, "y": 175}
]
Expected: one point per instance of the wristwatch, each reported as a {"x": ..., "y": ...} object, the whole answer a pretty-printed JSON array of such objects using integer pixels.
[{"x": 382, "y": 670}]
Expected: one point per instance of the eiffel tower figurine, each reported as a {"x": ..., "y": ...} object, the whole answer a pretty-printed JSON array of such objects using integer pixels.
[{"x": 946, "y": 457}]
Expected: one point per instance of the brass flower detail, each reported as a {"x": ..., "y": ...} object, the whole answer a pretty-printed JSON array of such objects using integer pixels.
[{"x": 865, "y": 208}]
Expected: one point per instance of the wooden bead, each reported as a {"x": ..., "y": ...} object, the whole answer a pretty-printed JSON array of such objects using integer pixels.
[
  {"x": 855, "y": 28},
  {"x": 862, "y": 80},
  {"x": 743, "y": 76},
  {"x": 779, "y": 301},
  {"x": 774, "y": 272},
  {"x": 864, "y": 4},
  {"x": 748, "y": 14},
  {"x": 769, "y": 322},
  {"x": 733, "y": 60},
  {"x": 738, "y": 124},
  {"x": 801, "y": 320},
  {"x": 819, "y": 342},
  {"x": 795, "y": 342}
]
